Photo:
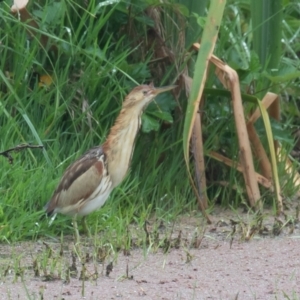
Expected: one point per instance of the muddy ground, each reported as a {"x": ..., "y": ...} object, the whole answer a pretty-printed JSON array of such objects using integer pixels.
[{"x": 239, "y": 256}]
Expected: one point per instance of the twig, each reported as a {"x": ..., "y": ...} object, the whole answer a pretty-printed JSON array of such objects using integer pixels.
[{"x": 17, "y": 149}]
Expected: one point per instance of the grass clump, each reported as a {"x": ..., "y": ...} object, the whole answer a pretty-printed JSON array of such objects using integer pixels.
[{"x": 65, "y": 96}]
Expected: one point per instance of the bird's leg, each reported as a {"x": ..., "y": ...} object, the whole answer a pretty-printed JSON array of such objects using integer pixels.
[
  {"x": 86, "y": 228},
  {"x": 76, "y": 232}
]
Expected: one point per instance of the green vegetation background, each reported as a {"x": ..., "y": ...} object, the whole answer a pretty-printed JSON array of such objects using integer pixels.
[{"x": 103, "y": 50}]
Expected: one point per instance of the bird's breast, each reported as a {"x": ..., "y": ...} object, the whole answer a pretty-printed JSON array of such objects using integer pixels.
[{"x": 121, "y": 151}]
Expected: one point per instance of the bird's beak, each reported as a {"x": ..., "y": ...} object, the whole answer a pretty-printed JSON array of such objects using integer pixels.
[{"x": 159, "y": 90}]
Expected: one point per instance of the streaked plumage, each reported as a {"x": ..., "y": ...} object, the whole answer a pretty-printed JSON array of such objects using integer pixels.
[
  {"x": 87, "y": 183},
  {"x": 84, "y": 186}
]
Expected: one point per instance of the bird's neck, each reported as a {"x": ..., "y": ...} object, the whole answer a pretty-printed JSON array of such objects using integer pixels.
[{"x": 120, "y": 144}]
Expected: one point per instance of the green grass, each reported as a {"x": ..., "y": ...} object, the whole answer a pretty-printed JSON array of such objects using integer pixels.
[
  {"x": 93, "y": 67},
  {"x": 28, "y": 183},
  {"x": 98, "y": 61},
  {"x": 97, "y": 64}
]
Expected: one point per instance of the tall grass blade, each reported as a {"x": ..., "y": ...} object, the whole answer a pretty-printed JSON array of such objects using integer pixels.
[
  {"x": 267, "y": 19},
  {"x": 208, "y": 41},
  {"x": 210, "y": 34},
  {"x": 37, "y": 137},
  {"x": 268, "y": 129}
]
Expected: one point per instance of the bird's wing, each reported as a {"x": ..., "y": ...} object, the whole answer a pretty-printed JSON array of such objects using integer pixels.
[{"x": 79, "y": 181}]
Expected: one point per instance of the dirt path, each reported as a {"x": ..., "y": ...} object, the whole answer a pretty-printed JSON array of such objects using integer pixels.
[{"x": 263, "y": 268}]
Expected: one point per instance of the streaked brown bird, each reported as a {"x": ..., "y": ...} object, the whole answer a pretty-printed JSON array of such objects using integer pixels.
[{"x": 87, "y": 182}]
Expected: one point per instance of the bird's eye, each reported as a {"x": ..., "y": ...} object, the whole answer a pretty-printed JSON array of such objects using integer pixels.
[{"x": 145, "y": 93}]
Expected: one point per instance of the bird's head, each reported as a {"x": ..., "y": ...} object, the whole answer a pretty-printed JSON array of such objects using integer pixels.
[{"x": 142, "y": 95}]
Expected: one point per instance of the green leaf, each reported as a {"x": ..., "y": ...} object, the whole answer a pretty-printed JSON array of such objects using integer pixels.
[
  {"x": 163, "y": 115},
  {"x": 145, "y": 20},
  {"x": 181, "y": 8},
  {"x": 201, "y": 21},
  {"x": 279, "y": 131},
  {"x": 208, "y": 40},
  {"x": 163, "y": 102},
  {"x": 254, "y": 65},
  {"x": 95, "y": 51},
  {"x": 162, "y": 107},
  {"x": 236, "y": 60},
  {"x": 149, "y": 123},
  {"x": 138, "y": 71},
  {"x": 52, "y": 14},
  {"x": 288, "y": 73}
]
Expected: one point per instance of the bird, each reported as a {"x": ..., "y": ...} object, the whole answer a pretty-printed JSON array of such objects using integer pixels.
[{"x": 87, "y": 183}]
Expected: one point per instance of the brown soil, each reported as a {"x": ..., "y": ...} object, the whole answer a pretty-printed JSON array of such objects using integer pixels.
[{"x": 214, "y": 262}]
